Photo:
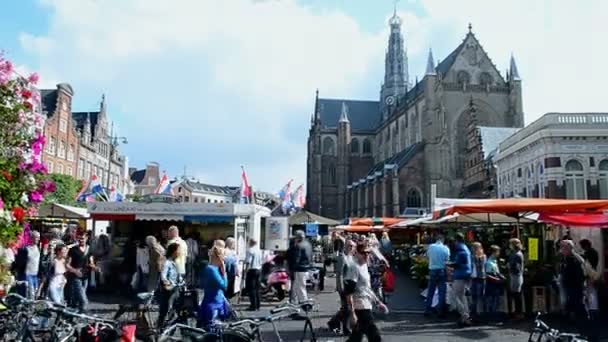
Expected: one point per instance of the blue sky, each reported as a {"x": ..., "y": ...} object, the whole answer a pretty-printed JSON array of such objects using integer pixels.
[{"x": 215, "y": 84}]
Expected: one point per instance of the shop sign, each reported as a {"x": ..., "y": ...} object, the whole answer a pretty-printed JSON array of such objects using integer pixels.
[
  {"x": 277, "y": 233},
  {"x": 533, "y": 249},
  {"x": 185, "y": 209},
  {"x": 312, "y": 229}
]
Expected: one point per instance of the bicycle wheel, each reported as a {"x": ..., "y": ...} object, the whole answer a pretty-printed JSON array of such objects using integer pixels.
[
  {"x": 142, "y": 317},
  {"x": 232, "y": 335}
]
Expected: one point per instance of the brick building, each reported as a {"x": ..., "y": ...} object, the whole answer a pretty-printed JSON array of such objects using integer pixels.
[
  {"x": 62, "y": 139},
  {"x": 146, "y": 180}
]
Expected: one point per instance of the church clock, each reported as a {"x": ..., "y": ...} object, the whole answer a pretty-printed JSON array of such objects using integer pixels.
[{"x": 390, "y": 100}]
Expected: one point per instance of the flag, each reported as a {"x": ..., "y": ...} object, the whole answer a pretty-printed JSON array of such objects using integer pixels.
[
  {"x": 245, "y": 188},
  {"x": 285, "y": 190},
  {"x": 115, "y": 195},
  {"x": 92, "y": 189},
  {"x": 164, "y": 187},
  {"x": 285, "y": 193},
  {"x": 299, "y": 199}
]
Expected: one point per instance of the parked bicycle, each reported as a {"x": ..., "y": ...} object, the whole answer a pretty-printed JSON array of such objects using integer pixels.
[{"x": 543, "y": 333}]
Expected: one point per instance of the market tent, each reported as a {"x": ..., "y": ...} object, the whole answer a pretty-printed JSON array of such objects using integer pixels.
[
  {"x": 576, "y": 219},
  {"x": 375, "y": 221},
  {"x": 57, "y": 210},
  {"x": 361, "y": 228},
  {"x": 514, "y": 206},
  {"x": 304, "y": 217},
  {"x": 494, "y": 218}
]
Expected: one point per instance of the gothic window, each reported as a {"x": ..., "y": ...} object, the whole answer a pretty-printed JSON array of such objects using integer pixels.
[
  {"x": 354, "y": 146},
  {"x": 395, "y": 139},
  {"x": 413, "y": 199},
  {"x": 463, "y": 77},
  {"x": 603, "y": 178},
  {"x": 529, "y": 189},
  {"x": 485, "y": 79},
  {"x": 330, "y": 175},
  {"x": 575, "y": 180},
  {"x": 328, "y": 146},
  {"x": 367, "y": 146}
]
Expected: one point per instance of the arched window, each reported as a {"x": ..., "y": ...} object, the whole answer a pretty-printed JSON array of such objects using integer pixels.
[
  {"x": 413, "y": 199},
  {"x": 575, "y": 180},
  {"x": 354, "y": 146},
  {"x": 329, "y": 147},
  {"x": 485, "y": 79},
  {"x": 603, "y": 178},
  {"x": 367, "y": 146},
  {"x": 463, "y": 77},
  {"x": 395, "y": 139},
  {"x": 330, "y": 175},
  {"x": 529, "y": 188}
]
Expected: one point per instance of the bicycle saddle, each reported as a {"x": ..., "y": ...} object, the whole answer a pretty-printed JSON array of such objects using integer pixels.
[{"x": 144, "y": 296}]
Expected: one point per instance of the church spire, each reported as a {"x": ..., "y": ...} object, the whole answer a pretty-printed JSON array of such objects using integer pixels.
[
  {"x": 513, "y": 70},
  {"x": 430, "y": 64},
  {"x": 396, "y": 74},
  {"x": 344, "y": 114}
]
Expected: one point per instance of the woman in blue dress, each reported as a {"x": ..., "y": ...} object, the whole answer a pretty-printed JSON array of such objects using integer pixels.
[{"x": 214, "y": 282}]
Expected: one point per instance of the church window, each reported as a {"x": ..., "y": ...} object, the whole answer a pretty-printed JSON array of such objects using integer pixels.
[
  {"x": 575, "y": 180},
  {"x": 485, "y": 78},
  {"x": 354, "y": 146},
  {"x": 463, "y": 77},
  {"x": 367, "y": 146},
  {"x": 329, "y": 147},
  {"x": 603, "y": 179},
  {"x": 413, "y": 199},
  {"x": 330, "y": 175}
]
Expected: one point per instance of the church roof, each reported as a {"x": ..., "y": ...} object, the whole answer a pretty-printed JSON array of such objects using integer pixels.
[
  {"x": 400, "y": 159},
  {"x": 444, "y": 66},
  {"x": 363, "y": 115},
  {"x": 491, "y": 137}
]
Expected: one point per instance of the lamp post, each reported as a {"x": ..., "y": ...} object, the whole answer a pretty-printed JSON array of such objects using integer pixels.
[{"x": 114, "y": 142}]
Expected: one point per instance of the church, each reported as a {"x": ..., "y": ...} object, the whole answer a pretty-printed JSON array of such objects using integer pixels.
[{"x": 385, "y": 157}]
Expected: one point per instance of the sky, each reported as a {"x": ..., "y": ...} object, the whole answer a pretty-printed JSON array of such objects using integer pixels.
[{"x": 210, "y": 85}]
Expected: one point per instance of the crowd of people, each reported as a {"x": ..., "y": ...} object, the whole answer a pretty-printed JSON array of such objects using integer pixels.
[{"x": 475, "y": 273}]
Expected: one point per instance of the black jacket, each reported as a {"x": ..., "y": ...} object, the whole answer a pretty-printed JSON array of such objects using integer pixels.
[{"x": 303, "y": 257}]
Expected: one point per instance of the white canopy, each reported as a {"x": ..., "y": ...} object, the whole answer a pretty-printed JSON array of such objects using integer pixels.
[{"x": 57, "y": 210}]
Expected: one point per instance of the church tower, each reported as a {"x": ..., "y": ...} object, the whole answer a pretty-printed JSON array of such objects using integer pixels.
[
  {"x": 396, "y": 74},
  {"x": 344, "y": 140}
]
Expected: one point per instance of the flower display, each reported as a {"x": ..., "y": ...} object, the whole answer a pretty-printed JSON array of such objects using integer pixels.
[{"x": 23, "y": 179}]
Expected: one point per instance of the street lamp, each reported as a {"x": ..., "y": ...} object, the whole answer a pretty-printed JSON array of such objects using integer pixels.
[{"x": 114, "y": 142}]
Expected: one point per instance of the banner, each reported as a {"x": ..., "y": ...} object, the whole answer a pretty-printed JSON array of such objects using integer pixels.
[{"x": 533, "y": 249}]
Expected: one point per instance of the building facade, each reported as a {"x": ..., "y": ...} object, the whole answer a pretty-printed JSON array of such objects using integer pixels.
[
  {"x": 186, "y": 190},
  {"x": 377, "y": 158},
  {"x": 62, "y": 139},
  {"x": 560, "y": 155},
  {"x": 145, "y": 181},
  {"x": 97, "y": 154}
]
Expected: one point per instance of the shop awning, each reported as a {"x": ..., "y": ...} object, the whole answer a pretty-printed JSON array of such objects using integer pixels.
[
  {"x": 56, "y": 210},
  {"x": 158, "y": 217},
  {"x": 598, "y": 220},
  {"x": 375, "y": 221},
  {"x": 516, "y": 206},
  {"x": 361, "y": 229},
  {"x": 492, "y": 218},
  {"x": 304, "y": 217}
]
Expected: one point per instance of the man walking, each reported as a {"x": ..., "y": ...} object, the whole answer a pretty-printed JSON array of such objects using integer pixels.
[
  {"x": 78, "y": 266},
  {"x": 573, "y": 277},
  {"x": 180, "y": 262},
  {"x": 461, "y": 279},
  {"x": 361, "y": 299},
  {"x": 344, "y": 272},
  {"x": 439, "y": 255},
  {"x": 28, "y": 265},
  {"x": 253, "y": 264},
  {"x": 303, "y": 264}
]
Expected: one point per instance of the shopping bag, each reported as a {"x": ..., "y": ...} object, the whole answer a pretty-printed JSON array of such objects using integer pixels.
[{"x": 388, "y": 281}]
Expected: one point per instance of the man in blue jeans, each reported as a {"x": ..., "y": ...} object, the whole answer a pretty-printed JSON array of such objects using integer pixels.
[{"x": 439, "y": 255}]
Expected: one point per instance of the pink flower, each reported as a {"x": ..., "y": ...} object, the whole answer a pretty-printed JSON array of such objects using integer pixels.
[
  {"x": 33, "y": 78},
  {"x": 1, "y": 204},
  {"x": 46, "y": 186},
  {"x": 26, "y": 93},
  {"x": 36, "y": 197}
]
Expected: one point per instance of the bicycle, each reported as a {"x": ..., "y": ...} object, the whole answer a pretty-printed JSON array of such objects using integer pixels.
[{"x": 546, "y": 334}]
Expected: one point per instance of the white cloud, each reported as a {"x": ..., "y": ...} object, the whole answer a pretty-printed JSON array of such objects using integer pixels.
[{"x": 213, "y": 84}]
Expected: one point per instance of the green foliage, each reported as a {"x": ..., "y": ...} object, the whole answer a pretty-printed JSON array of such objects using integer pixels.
[{"x": 66, "y": 189}]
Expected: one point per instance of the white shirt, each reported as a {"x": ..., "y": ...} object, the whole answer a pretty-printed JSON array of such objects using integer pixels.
[
  {"x": 363, "y": 298},
  {"x": 33, "y": 260},
  {"x": 254, "y": 258},
  {"x": 180, "y": 262},
  {"x": 142, "y": 259}
]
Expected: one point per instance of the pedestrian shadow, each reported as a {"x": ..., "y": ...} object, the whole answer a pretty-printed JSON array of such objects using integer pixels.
[{"x": 473, "y": 333}]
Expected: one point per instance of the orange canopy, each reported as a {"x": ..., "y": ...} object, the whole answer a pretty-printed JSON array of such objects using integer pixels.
[
  {"x": 361, "y": 229},
  {"x": 526, "y": 205},
  {"x": 375, "y": 221}
]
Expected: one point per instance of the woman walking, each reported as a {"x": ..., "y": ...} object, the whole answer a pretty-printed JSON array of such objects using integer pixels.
[
  {"x": 494, "y": 283},
  {"x": 156, "y": 262},
  {"x": 230, "y": 261},
  {"x": 516, "y": 276},
  {"x": 214, "y": 282},
  {"x": 169, "y": 281},
  {"x": 56, "y": 275},
  {"x": 478, "y": 277}
]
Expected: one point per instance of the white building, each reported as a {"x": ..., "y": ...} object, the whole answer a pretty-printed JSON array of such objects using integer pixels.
[
  {"x": 187, "y": 190},
  {"x": 560, "y": 155}
]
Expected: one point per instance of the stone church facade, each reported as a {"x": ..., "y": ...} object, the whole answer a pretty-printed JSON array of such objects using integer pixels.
[{"x": 377, "y": 158}]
